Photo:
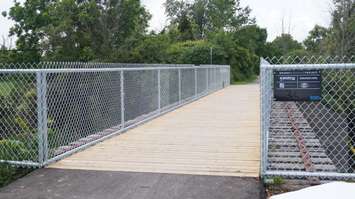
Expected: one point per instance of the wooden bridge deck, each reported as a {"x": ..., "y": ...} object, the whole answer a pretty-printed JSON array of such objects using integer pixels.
[{"x": 216, "y": 135}]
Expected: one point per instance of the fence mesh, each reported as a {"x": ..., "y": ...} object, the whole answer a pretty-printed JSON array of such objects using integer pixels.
[
  {"x": 18, "y": 117},
  {"x": 309, "y": 138},
  {"x": 80, "y": 106},
  {"x": 51, "y": 110}
]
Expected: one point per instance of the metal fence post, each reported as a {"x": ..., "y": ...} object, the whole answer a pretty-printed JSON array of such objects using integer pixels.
[
  {"x": 159, "y": 92},
  {"x": 207, "y": 75},
  {"x": 180, "y": 85},
  {"x": 122, "y": 100},
  {"x": 215, "y": 79},
  {"x": 42, "y": 120},
  {"x": 264, "y": 115},
  {"x": 195, "y": 81}
]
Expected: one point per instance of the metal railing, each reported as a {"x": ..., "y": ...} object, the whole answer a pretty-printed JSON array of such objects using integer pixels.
[
  {"x": 49, "y": 113},
  {"x": 309, "y": 139}
]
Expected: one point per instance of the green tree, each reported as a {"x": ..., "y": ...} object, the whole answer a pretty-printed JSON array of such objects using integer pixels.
[
  {"x": 209, "y": 16},
  {"x": 244, "y": 63},
  {"x": 153, "y": 49},
  {"x": 77, "y": 29},
  {"x": 30, "y": 18},
  {"x": 70, "y": 35},
  {"x": 185, "y": 28},
  {"x": 200, "y": 17},
  {"x": 227, "y": 15},
  {"x": 176, "y": 10},
  {"x": 342, "y": 35},
  {"x": 252, "y": 37},
  {"x": 285, "y": 44},
  {"x": 315, "y": 42}
]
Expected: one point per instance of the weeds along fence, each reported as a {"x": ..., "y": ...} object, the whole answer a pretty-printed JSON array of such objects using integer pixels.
[
  {"x": 308, "y": 117},
  {"x": 51, "y": 112}
]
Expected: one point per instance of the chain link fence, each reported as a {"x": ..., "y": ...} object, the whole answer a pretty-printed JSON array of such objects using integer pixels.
[
  {"x": 310, "y": 138},
  {"x": 51, "y": 110}
]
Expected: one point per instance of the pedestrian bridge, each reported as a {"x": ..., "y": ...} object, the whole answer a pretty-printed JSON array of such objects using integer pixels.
[{"x": 215, "y": 135}]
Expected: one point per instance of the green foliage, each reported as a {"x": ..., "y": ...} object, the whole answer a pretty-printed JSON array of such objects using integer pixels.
[
  {"x": 6, "y": 87},
  {"x": 185, "y": 29},
  {"x": 284, "y": 44},
  {"x": 344, "y": 103},
  {"x": 244, "y": 64},
  {"x": 277, "y": 181},
  {"x": 208, "y": 16},
  {"x": 6, "y": 55},
  {"x": 314, "y": 43},
  {"x": 18, "y": 124},
  {"x": 75, "y": 30},
  {"x": 227, "y": 15},
  {"x": 115, "y": 31},
  {"x": 15, "y": 150},
  {"x": 191, "y": 52},
  {"x": 252, "y": 37},
  {"x": 30, "y": 18},
  {"x": 153, "y": 49},
  {"x": 341, "y": 38}
]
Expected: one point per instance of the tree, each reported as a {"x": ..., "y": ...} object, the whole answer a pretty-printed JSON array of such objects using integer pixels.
[
  {"x": 285, "y": 44},
  {"x": 227, "y": 15},
  {"x": 209, "y": 15},
  {"x": 29, "y": 19},
  {"x": 244, "y": 63},
  {"x": 342, "y": 35},
  {"x": 176, "y": 10},
  {"x": 200, "y": 17},
  {"x": 70, "y": 35},
  {"x": 153, "y": 49},
  {"x": 185, "y": 28},
  {"x": 252, "y": 37},
  {"x": 315, "y": 42},
  {"x": 77, "y": 29}
]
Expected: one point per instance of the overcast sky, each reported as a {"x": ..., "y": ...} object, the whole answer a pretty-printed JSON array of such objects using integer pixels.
[{"x": 299, "y": 16}]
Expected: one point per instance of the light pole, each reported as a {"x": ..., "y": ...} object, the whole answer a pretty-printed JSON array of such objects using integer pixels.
[{"x": 211, "y": 55}]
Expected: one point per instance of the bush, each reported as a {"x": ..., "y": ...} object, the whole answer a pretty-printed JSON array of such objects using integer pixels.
[
  {"x": 189, "y": 52},
  {"x": 152, "y": 50},
  {"x": 244, "y": 64},
  {"x": 13, "y": 150}
]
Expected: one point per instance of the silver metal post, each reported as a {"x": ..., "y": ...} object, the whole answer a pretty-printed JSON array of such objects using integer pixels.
[
  {"x": 42, "y": 119},
  {"x": 122, "y": 101},
  {"x": 207, "y": 75},
  {"x": 159, "y": 92},
  {"x": 180, "y": 85},
  {"x": 195, "y": 82},
  {"x": 211, "y": 55}
]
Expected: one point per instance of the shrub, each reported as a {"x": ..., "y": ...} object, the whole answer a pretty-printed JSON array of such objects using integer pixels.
[{"x": 13, "y": 150}]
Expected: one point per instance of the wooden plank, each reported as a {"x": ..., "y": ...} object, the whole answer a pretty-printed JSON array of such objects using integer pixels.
[{"x": 216, "y": 135}]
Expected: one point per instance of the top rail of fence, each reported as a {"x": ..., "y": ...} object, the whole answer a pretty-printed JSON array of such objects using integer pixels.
[
  {"x": 308, "y": 66},
  {"x": 97, "y": 65},
  {"x": 100, "y": 68}
]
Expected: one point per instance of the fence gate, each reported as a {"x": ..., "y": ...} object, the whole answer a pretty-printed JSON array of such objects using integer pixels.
[{"x": 308, "y": 118}]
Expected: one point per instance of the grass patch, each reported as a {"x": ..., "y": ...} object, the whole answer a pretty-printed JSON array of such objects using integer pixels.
[{"x": 9, "y": 174}]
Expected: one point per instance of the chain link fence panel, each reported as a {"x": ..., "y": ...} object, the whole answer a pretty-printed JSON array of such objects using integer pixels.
[
  {"x": 312, "y": 139},
  {"x": 51, "y": 110},
  {"x": 19, "y": 140}
]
